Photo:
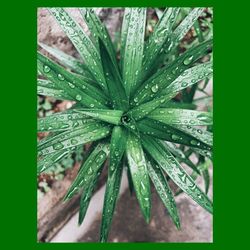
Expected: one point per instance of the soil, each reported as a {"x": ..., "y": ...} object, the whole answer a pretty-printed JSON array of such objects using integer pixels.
[{"x": 129, "y": 226}]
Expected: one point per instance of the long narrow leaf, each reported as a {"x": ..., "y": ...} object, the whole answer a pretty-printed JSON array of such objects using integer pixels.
[
  {"x": 187, "y": 23},
  {"x": 197, "y": 133},
  {"x": 62, "y": 121},
  {"x": 50, "y": 160},
  {"x": 172, "y": 134},
  {"x": 181, "y": 116},
  {"x": 86, "y": 196},
  {"x": 178, "y": 153},
  {"x": 71, "y": 84},
  {"x": 164, "y": 191},
  {"x": 110, "y": 198},
  {"x": 133, "y": 48},
  {"x": 165, "y": 76},
  {"x": 48, "y": 88},
  {"x": 72, "y": 138},
  {"x": 68, "y": 61},
  {"x": 190, "y": 77},
  {"x": 107, "y": 115},
  {"x": 160, "y": 36},
  {"x": 55, "y": 93},
  {"x": 178, "y": 105},
  {"x": 113, "y": 79},
  {"x": 144, "y": 109},
  {"x": 170, "y": 165},
  {"x": 89, "y": 169},
  {"x": 117, "y": 147},
  {"x": 138, "y": 169},
  {"x": 98, "y": 31},
  {"x": 82, "y": 43}
]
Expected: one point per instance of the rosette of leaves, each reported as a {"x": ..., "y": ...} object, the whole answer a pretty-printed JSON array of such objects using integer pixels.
[{"x": 126, "y": 105}]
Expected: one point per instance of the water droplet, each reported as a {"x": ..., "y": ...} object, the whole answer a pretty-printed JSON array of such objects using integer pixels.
[
  {"x": 199, "y": 131},
  {"x": 203, "y": 117},
  {"x": 60, "y": 77},
  {"x": 78, "y": 98},
  {"x": 46, "y": 69},
  {"x": 155, "y": 88},
  {"x": 75, "y": 124},
  {"x": 175, "y": 137},
  {"x": 188, "y": 60},
  {"x": 195, "y": 143},
  {"x": 92, "y": 105},
  {"x": 184, "y": 84},
  {"x": 90, "y": 171},
  {"x": 74, "y": 141},
  {"x": 71, "y": 85},
  {"x": 58, "y": 146}
]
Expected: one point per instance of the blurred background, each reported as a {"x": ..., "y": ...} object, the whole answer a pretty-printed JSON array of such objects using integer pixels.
[{"x": 57, "y": 221}]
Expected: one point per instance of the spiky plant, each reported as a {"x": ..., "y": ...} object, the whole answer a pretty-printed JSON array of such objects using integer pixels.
[{"x": 125, "y": 105}]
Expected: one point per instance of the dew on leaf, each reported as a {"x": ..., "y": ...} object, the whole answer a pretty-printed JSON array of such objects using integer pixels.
[
  {"x": 155, "y": 88},
  {"x": 46, "y": 69},
  {"x": 78, "y": 97},
  {"x": 188, "y": 60},
  {"x": 58, "y": 146}
]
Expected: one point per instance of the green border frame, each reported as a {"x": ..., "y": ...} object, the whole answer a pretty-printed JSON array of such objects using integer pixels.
[{"x": 18, "y": 126}]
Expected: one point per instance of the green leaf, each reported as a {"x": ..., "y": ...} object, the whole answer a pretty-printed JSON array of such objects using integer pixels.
[
  {"x": 132, "y": 47},
  {"x": 130, "y": 181},
  {"x": 164, "y": 77},
  {"x": 170, "y": 165},
  {"x": 198, "y": 31},
  {"x": 82, "y": 43},
  {"x": 144, "y": 109},
  {"x": 164, "y": 191},
  {"x": 113, "y": 80},
  {"x": 55, "y": 93},
  {"x": 110, "y": 198},
  {"x": 178, "y": 105},
  {"x": 204, "y": 153},
  {"x": 186, "y": 24},
  {"x": 89, "y": 169},
  {"x": 203, "y": 168},
  {"x": 124, "y": 33},
  {"x": 178, "y": 153},
  {"x": 190, "y": 77},
  {"x": 50, "y": 160},
  {"x": 47, "y": 88},
  {"x": 117, "y": 147},
  {"x": 170, "y": 47},
  {"x": 62, "y": 121},
  {"x": 107, "y": 115},
  {"x": 98, "y": 31},
  {"x": 68, "y": 61},
  {"x": 199, "y": 134},
  {"x": 156, "y": 41},
  {"x": 86, "y": 196},
  {"x": 171, "y": 133},
  {"x": 71, "y": 84},
  {"x": 138, "y": 170},
  {"x": 181, "y": 116},
  {"x": 71, "y": 138},
  {"x": 206, "y": 178}
]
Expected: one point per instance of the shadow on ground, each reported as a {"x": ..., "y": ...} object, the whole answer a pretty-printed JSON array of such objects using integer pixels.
[{"x": 129, "y": 226}]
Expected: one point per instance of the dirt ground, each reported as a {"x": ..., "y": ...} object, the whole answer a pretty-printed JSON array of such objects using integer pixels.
[{"x": 129, "y": 226}]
